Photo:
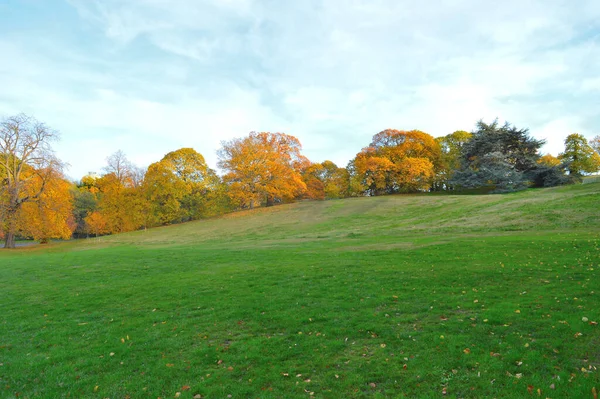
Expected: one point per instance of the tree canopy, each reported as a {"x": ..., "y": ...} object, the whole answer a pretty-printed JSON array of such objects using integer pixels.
[
  {"x": 263, "y": 168},
  {"x": 502, "y": 157}
]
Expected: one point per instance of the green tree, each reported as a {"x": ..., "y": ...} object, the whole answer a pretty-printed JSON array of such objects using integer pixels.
[
  {"x": 182, "y": 187},
  {"x": 451, "y": 147},
  {"x": 501, "y": 157},
  {"x": 579, "y": 156}
]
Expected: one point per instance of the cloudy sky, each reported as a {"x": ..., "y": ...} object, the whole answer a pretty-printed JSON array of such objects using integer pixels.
[{"x": 151, "y": 76}]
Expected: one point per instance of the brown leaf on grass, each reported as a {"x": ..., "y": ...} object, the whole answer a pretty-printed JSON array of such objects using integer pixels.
[
  {"x": 185, "y": 388},
  {"x": 198, "y": 396},
  {"x": 530, "y": 388},
  {"x": 444, "y": 392},
  {"x": 220, "y": 361},
  {"x": 594, "y": 393},
  {"x": 230, "y": 368},
  {"x": 170, "y": 365},
  {"x": 467, "y": 351},
  {"x": 593, "y": 323},
  {"x": 443, "y": 318},
  {"x": 492, "y": 354}
]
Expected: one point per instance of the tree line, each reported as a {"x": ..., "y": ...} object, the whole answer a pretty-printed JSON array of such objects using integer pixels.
[{"x": 261, "y": 169}]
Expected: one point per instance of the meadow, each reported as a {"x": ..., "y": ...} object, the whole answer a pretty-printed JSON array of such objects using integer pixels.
[{"x": 455, "y": 296}]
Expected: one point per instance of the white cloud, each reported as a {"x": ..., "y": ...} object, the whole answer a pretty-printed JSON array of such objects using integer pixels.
[{"x": 174, "y": 73}]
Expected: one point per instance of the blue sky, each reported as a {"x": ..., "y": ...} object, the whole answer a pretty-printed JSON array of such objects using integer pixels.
[{"x": 151, "y": 76}]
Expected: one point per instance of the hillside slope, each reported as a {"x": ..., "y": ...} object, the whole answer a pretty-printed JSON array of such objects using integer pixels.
[{"x": 384, "y": 219}]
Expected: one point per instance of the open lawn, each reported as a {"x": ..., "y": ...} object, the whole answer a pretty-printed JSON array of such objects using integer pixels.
[{"x": 431, "y": 296}]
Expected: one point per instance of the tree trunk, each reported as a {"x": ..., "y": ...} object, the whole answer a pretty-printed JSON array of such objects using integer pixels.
[
  {"x": 10, "y": 240},
  {"x": 11, "y": 227}
]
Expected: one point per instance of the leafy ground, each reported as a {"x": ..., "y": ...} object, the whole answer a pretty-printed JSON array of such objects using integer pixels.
[{"x": 401, "y": 296}]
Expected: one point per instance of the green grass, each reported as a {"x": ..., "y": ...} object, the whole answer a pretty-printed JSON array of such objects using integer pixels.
[{"x": 400, "y": 296}]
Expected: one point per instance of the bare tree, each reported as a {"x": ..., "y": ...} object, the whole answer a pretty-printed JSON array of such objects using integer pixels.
[
  {"x": 118, "y": 164},
  {"x": 27, "y": 162}
]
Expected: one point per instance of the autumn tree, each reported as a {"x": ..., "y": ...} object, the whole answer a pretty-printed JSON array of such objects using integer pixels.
[
  {"x": 263, "y": 168},
  {"x": 27, "y": 164},
  {"x": 579, "y": 156},
  {"x": 325, "y": 181},
  {"x": 548, "y": 160},
  {"x": 451, "y": 147},
  {"x": 397, "y": 161},
  {"x": 51, "y": 215},
  {"x": 121, "y": 208}
]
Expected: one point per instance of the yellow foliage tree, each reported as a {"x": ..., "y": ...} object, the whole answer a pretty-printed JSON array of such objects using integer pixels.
[
  {"x": 51, "y": 216},
  {"x": 397, "y": 161},
  {"x": 263, "y": 168},
  {"x": 122, "y": 208},
  {"x": 548, "y": 160}
]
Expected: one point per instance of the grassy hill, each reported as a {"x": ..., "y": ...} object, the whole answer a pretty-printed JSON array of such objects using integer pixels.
[{"x": 399, "y": 296}]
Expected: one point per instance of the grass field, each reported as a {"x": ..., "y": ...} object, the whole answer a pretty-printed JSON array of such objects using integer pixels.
[{"x": 403, "y": 296}]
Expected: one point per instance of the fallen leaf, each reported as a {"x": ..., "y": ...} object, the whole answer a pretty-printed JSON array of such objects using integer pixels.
[
  {"x": 492, "y": 354},
  {"x": 96, "y": 388},
  {"x": 594, "y": 393},
  {"x": 198, "y": 396},
  {"x": 517, "y": 311},
  {"x": 177, "y": 394},
  {"x": 467, "y": 351},
  {"x": 185, "y": 388},
  {"x": 373, "y": 385},
  {"x": 170, "y": 365},
  {"x": 552, "y": 386},
  {"x": 530, "y": 388},
  {"x": 444, "y": 392}
]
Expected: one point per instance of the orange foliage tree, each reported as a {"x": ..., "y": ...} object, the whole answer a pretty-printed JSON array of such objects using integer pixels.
[
  {"x": 397, "y": 161},
  {"x": 51, "y": 216},
  {"x": 325, "y": 181},
  {"x": 263, "y": 168},
  {"x": 548, "y": 160}
]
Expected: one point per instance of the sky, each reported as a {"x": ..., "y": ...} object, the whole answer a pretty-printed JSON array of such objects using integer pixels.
[{"x": 151, "y": 76}]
